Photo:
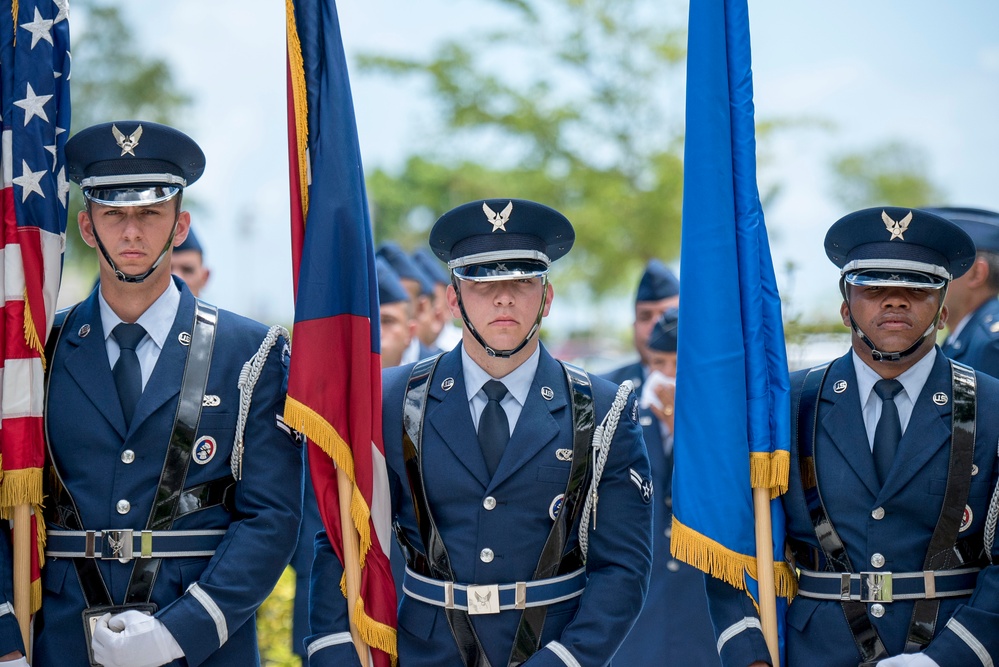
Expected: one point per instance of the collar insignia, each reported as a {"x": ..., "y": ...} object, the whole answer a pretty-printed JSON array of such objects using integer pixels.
[
  {"x": 128, "y": 143},
  {"x": 897, "y": 228},
  {"x": 498, "y": 220}
]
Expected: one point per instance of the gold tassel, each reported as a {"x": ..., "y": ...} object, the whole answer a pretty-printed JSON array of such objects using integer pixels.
[
  {"x": 296, "y": 69},
  {"x": 769, "y": 470},
  {"x": 21, "y": 487},
  {"x": 707, "y": 555},
  {"x": 375, "y": 634},
  {"x": 31, "y": 337},
  {"x": 302, "y": 418}
]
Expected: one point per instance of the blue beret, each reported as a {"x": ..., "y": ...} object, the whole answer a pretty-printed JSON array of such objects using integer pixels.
[
  {"x": 390, "y": 290},
  {"x": 405, "y": 267},
  {"x": 500, "y": 238},
  {"x": 190, "y": 243},
  {"x": 431, "y": 267},
  {"x": 131, "y": 162},
  {"x": 899, "y": 245},
  {"x": 663, "y": 336},
  {"x": 657, "y": 283},
  {"x": 981, "y": 225}
]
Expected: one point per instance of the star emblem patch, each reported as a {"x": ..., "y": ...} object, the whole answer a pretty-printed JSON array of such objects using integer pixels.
[
  {"x": 498, "y": 220},
  {"x": 897, "y": 228},
  {"x": 128, "y": 143}
]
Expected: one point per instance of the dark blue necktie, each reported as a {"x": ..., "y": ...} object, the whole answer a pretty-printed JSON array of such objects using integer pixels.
[
  {"x": 127, "y": 373},
  {"x": 494, "y": 429},
  {"x": 889, "y": 429}
]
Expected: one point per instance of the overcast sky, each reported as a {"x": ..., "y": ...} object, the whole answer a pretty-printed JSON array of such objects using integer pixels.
[{"x": 912, "y": 70}]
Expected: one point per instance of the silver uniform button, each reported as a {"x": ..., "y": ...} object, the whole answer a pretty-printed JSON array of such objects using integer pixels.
[
  {"x": 123, "y": 506},
  {"x": 878, "y": 513},
  {"x": 486, "y": 555},
  {"x": 877, "y": 610},
  {"x": 489, "y": 503},
  {"x": 672, "y": 565},
  {"x": 877, "y": 560},
  {"x": 127, "y": 456}
]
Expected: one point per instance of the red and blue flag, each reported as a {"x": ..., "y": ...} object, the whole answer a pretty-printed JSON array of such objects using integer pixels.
[{"x": 334, "y": 390}]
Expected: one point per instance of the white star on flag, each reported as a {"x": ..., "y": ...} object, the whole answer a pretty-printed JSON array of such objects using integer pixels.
[
  {"x": 30, "y": 181},
  {"x": 33, "y": 105},
  {"x": 63, "y": 6},
  {"x": 62, "y": 186},
  {"x": 39, "y": 28}
]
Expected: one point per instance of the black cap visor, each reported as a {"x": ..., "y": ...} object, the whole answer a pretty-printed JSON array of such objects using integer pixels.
[
  {"x": 889, "y": 278},
  {"x": 505, "y": 270}
]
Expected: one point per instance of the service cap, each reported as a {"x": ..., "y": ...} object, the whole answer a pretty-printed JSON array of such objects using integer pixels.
[
  {"x": 390, "y": 289},
  {"x": 890, "y": 246},
  {"x": 500, "y": 239},
  {"x": 132, "y": 163},
  {"x": 404, "y": 266},
  {"x": 981, "y": 225},
  {"x": 663, "y": 336},
  {"x": 657, "y": 283}
]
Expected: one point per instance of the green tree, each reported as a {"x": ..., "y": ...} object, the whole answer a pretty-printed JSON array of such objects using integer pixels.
[
  {"x": 892, "y": 173},
  {"x": 589, "y": 123},
  {"x": 112, "y": 79}
]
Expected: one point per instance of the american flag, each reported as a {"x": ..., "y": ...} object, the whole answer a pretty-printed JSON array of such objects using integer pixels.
[
  {"x": 334, "y": 388},
  {"x": 34, "y": 101}
]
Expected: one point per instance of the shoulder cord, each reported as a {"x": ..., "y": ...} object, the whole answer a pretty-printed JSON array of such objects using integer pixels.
[
  {"x": 603, "y": 435},
  {"x": 990, "y": 523},
  {"x": 247, "y": 381}
]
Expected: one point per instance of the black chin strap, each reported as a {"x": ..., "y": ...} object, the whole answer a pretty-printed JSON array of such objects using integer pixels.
[
  {"x": 502, "y": 354},
  {"x": 880, "y": 355},
  {"x": 121, "y": 275}
]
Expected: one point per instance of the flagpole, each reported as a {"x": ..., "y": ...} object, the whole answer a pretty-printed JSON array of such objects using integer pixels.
[
  {"x": 765, "y": 572},
  {"x": 351, "y": 562},
  {"x": 22, "y": 572}
]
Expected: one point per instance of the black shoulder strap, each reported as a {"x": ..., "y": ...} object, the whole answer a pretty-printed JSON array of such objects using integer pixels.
[
  {"x": 806, "y": 417},
  {"x": 178, "y": 455},
  {"x": 437, "y": 561},
  {"x": 941, "y": 553},
  {"x": 528, "y": 638}
]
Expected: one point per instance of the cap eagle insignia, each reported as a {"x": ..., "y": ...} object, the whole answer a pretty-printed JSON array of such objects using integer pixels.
[
  {"x": 128, "y": 143},
  {"x": 896, "y": 228},
  {"x": 498, "y": 220}
]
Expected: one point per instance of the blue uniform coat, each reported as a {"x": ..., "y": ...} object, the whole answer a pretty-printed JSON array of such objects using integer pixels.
[
  {"x": 674, "y": 627},
  {"x": 817, "y": 632},
  {"x": 214, "y": 621},
  {"x": 526, "y": 483},
  {"x": 978, "y": 344}
]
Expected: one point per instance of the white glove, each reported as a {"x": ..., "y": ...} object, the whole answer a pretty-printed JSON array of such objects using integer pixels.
[
  {"x": 19, "y": 662},
  {"x": 909, "y": 660},
  {"x": 133, "y": 639}
]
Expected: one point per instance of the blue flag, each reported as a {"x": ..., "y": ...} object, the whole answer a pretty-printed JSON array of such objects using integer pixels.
[{"x": 733, "y": 405}]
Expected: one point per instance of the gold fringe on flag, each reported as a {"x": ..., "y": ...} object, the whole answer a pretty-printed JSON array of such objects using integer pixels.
[
  {"x": 302, "y": 418},
  {"x": 31, "y": 337},
  {"x": 318, "y": 430},
  {"x": 296, "y": 69},
  {"x": 21, "y": 487},
  {"x": 769, "y": 470},
  {"x": 722, "y": 563},
  {"x": 373, "y": 633}
]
